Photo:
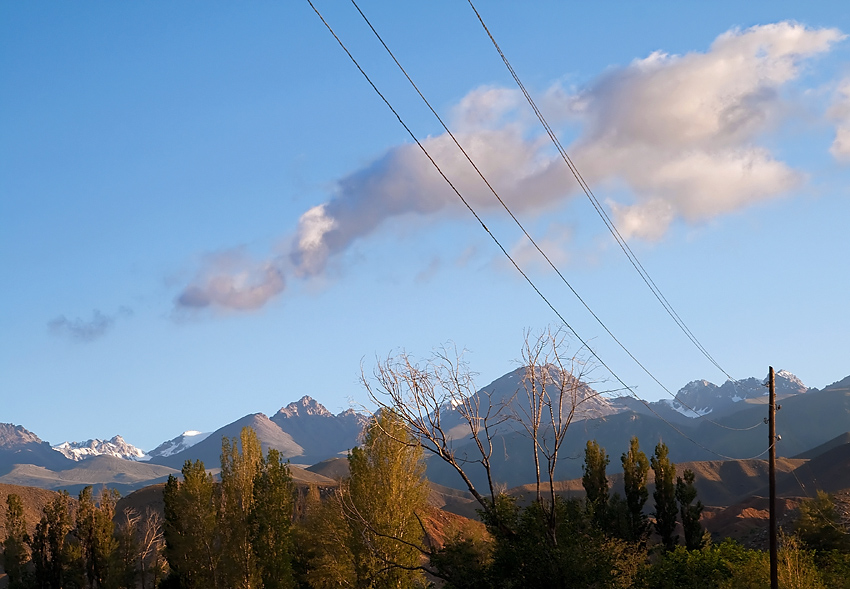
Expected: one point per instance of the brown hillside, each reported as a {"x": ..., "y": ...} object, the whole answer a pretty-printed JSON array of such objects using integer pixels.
[
  {"x": 99, "y": 470},
  {"x": 441, "y": 526},
  {"x": 719, "y": 482},
  {"x": 828, "y": 472},
  {"x": 34, "y": 500},
  {"x": 747, "y": 521},
  {"x": 333, "y": 468},
  {"x": 724, "y": 482},
  {"x": 140, "y": 500},
  {"x": 461, "y": 503}
]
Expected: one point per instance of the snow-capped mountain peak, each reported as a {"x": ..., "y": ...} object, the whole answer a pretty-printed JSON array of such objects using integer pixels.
[
  {"x": 185, "y": 440},
  {"x": 116, "y": 447},
  {"x": 788, "y": 383}
]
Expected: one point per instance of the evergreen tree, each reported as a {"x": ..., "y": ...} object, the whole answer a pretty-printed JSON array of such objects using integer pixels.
[
  {"x": 595, "y": 482},
  {"x": 387, "y": 489},
  {"x": 690, "y": 511},
  {"x": 271, "y": 522},
  {"x": 96, "y": 535},
  {"x": 665, "y": 496},
  {"x": 15, "y": 553},
  {"x": 635, "y": 469},
  {"x": 240, "y": 465},
  {"x": 193, "y": 548},
  {"x": 52, "y": 556}
]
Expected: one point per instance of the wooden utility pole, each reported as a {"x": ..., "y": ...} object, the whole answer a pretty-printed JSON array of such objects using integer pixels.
[{"x": 771, "y": 418}]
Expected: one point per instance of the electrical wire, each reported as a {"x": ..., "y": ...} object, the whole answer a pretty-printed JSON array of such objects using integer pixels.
[
  {"x": 601, "y": 210},
  {"x": 502, "y": 248},
  {"x": 529, "y": 237}
]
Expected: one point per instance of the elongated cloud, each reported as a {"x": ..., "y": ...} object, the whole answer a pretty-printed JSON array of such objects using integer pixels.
[
  {"x": 231, "y": 280},
  {"x": 681, "y": 133},
  {"x": 404, "y": 182}
]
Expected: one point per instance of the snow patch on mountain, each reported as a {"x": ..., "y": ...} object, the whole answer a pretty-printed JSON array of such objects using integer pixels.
[
  {"x": 116, "y": 447},
  {"x": 679, "y": 408},
  {"x": 185, "y": 440}
]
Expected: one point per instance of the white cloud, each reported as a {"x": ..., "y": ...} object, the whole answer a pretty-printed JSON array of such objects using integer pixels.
[
  {"x": 681, "y": 133},
  {"x": 230, "y": 280},
  {"x": 840, "y": 113},
  {"x": 404, "y": 182}
]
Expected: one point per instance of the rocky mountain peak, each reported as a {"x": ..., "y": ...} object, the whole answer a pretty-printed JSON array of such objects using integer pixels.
[
  {"x": 695, "y": 392},
  {"x": 304, "y": 406},
  {"x": 12, "y": 435},
  {"x": 787, "y": 383}
]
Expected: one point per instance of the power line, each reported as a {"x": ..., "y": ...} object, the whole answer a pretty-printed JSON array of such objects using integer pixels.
[
  {"x": 499, "y": 244},
  {"x": 525, "y": 232},
  {"x": 600, "y": 209}
]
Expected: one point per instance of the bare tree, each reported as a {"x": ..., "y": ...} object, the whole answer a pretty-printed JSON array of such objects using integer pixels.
[
  {"x": 438, "y": 404},
  {"x": 555, "y": 392},
  {"x": 427, "y": 396},
  {"x": 151, "y": 542}
]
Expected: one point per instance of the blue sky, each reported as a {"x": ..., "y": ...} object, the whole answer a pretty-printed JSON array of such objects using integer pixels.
[{"x": 205, "y": 211}]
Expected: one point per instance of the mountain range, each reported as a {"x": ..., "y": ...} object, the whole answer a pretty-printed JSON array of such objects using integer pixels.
[{"x": 703, "y": 422}]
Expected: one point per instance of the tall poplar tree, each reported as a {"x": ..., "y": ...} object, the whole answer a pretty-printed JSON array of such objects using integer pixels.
[
  {"x": 15, "y": 553},
  {"x": 665, "y": 496},
  {"x": 690, "y": 511},
  {"x": 595, "y": 482},
  {"x": 240, "y": 464},
  {"x": 635, "y": 469},
  {"x": 193, "y": 547},
  {"x": 96, "y": 534},
  {"x": 270, "y": 525},
  {"x": 51, "y": 554},
  {"x": 387, "y": 490}
]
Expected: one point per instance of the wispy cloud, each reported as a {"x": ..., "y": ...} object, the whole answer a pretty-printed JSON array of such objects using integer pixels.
[
  {"x": 427, "y": 274},
  {"x": 86, "y": 330},
  {"x": 231, "y": 280},
  {"x": 840, "y": 113}
]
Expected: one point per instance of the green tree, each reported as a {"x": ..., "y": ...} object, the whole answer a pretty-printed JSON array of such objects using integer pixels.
[
  {"x": 819, "y": 526},
  {"x": 635, "y": 469},
  {"x": 728, "y": 565},
  {"x": 52, "y": 555},
  {"x": 95, "y": 532},
  {"x": 690, "y": 512},
  {"x": 271, "y": 522},
  {"x": 583, "y": 556},
  {"x": 595, "y": 482},
  {"x": 387, "y": 491},
  {"x": 240, "y": 465},
  {"x": 665, "y": 496},
  {"x": 15, "y": 553},
  {"x": 323, "y": 553},
  {"x": 193, "y": 548}
]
